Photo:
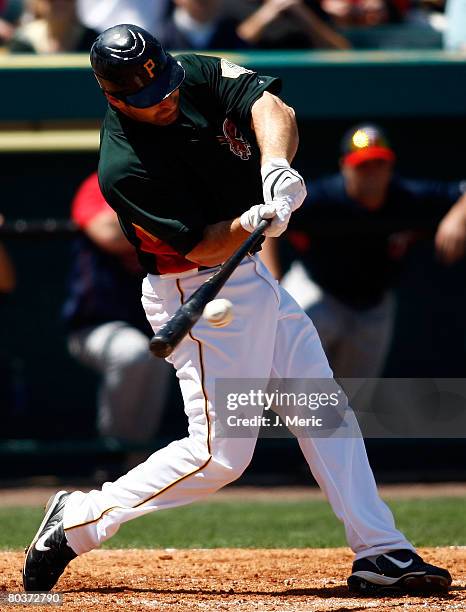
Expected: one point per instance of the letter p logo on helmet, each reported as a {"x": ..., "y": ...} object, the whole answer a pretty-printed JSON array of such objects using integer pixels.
[{"x": 149, "y": 66}]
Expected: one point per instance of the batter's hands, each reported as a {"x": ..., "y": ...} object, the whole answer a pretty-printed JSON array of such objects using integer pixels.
[
  {"x": 280, "y": 181},
  {"x": 279, "y": 211}
]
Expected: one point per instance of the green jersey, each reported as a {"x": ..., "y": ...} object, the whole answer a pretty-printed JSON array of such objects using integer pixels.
[{"x": 168, "y": 183}]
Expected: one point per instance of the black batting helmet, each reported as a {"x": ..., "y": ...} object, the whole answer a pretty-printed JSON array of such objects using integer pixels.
[{"x": 131, "y": 65}]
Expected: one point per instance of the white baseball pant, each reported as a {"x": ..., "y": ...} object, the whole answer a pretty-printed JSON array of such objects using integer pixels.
[{"x": 270, "y": 336}]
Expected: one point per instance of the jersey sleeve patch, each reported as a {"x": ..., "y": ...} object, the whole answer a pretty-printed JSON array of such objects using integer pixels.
[{"x": 232, "y": 71}]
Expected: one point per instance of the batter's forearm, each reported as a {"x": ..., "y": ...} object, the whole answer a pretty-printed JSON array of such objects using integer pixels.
[
  {"x": 274, "y": 124},
  {"x": 219, "y": 242}
]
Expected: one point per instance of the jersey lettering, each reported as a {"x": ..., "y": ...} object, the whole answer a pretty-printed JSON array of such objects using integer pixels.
[{"x": 236, "y": 141}]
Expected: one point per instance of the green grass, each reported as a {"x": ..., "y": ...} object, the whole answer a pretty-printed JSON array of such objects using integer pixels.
[{"x": 427, "y": 522}]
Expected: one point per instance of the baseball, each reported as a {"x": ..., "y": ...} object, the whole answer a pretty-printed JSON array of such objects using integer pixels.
[{"x": 219, "y": 313}]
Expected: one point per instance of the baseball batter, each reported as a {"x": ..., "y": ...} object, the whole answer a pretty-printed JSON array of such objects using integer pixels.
[{"x": 190, "y": 148}]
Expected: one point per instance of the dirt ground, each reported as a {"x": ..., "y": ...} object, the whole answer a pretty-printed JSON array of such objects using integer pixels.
[
  {"x": 293, "y": 580},
  {"x": 242, "y": 580}
]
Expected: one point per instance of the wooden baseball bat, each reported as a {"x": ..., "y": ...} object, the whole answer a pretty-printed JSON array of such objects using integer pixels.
[{"x": 180, "y": 323}]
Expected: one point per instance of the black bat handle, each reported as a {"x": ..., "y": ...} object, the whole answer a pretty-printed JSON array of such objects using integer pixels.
[{"x": 180, "y": 323}]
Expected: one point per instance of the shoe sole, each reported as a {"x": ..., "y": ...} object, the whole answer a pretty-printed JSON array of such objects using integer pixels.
[
  {"x": 52, "y": 502},
  {"x": 425, "y": 583}
]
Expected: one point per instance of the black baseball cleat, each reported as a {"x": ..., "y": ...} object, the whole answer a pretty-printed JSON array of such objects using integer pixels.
[
  {"x": 49, "y": 553},
  {"x": 397, "y": 571}
]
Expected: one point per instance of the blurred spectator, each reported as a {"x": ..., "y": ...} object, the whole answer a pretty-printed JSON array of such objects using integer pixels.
[
  {"x": 7, "y": 272},
  {"x": 102, "y": 14},
  {"x": 10, "y": 13},
  {"x": 198, "y": 24},
  {"x": 455, "y": 32},
  {"x": 284, "y": 24},
  {"x": 7, "y": 285},
  {"x": 55, "y": 28},
  {"x": 364, "y": 13},
  {"x": 450, "y": 238},
  {"x": 350, "y": 238},
  {"x": 108, "y": 330}
]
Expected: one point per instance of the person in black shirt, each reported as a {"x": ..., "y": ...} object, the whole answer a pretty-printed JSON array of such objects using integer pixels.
[
  {"x": 56, "y": 28},
  {"x": 7, "y": 271},
  {"x": 285, "y": 24},
  {"x": 107, "y": 327},
  {"x": 7, "y": 286},
  {"x": 349, "y": 240},
  {"x": 199, "y": 24},
  {"x": 191, "y": 148}
]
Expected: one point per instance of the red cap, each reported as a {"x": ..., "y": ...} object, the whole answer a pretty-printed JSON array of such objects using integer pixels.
[{"x": 365, "y": 143}]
